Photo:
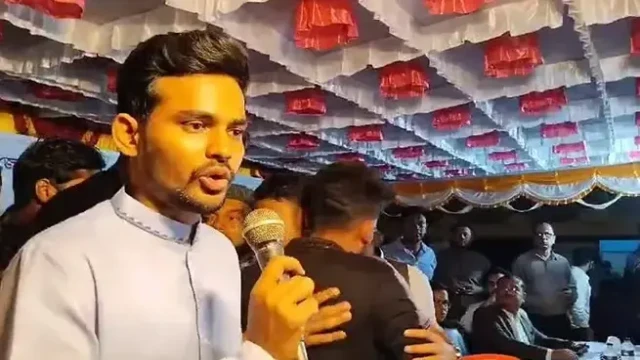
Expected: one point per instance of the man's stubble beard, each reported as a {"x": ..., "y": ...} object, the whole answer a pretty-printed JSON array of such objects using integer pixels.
[{"x": 186, "y": 202}]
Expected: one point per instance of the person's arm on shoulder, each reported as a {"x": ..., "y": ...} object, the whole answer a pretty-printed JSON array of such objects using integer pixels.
[
  {"x": 393, "y": 313},
  {"x": 47, "y": 306}
]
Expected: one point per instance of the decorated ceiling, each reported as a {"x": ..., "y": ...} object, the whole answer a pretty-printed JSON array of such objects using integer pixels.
[{"x": 422, "y": 89}]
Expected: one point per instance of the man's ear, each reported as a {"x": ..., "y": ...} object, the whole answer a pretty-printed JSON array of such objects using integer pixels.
[
  {"x": 366, "y": 230},
  {"x": 125, "y": 133},
  {"x": 44, "y": 190}
]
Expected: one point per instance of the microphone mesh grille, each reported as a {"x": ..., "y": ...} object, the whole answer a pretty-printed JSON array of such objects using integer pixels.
[{"x": 262, "y": 225}]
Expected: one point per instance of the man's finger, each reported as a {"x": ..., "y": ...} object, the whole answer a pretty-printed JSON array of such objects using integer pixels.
[
  {"x": 291, "y": 292},
  {"x": 326, "y": 295},
  {"x": 299, "y": 315},
  {"x": 321, "y": 339},
  {"x": 424, "y": 334},
  {"x": 333, "y": 310},
  {"x": 275, "y": 270},
  {"x": 423, "y": 349},
  {"x": 322, "y": 324}
]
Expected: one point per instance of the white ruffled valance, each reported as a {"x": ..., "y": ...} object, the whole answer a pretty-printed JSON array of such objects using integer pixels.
[{"x": 538, "y": 193}]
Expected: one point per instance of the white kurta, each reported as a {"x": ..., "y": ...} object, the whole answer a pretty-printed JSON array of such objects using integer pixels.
[{"x": 121, "y": 282}]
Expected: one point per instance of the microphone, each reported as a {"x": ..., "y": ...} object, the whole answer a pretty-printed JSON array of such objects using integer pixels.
[{"x": 263, "y": 230}]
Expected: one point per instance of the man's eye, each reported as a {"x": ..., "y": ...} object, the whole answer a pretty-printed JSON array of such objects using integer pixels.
[
  {"x": 194, "y": 125},
  {"x": 238, "y": 132}
]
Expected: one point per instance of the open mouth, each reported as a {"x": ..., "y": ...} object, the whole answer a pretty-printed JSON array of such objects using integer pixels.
[{"x": 214, "y": 182}]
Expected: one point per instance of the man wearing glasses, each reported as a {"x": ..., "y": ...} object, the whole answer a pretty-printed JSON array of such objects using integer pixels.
[
  {"x": 504, "y": 328},
  {"x": 551, "y": 289}
]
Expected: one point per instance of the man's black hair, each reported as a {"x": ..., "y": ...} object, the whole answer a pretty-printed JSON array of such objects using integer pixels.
[
  {"x": 281, "y": 187},
  {"x": 436, "y": 286},
  {"x": 343, "y": 192},
  {"x": 582, "y": 256},
  {"x": 495, "y": 271},
  {"x": 209, "y": 51},
  {"x": 54, "y": 159},
  {"x": 240, "y": 193}
]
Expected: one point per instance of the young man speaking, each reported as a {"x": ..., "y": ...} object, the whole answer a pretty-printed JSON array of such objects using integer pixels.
[{"x": 139, "y": 277}]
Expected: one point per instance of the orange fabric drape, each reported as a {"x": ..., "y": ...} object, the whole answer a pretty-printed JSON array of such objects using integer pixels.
[
  {"x": 23, "y": 124},
  {"x": 495, "y": 184}
]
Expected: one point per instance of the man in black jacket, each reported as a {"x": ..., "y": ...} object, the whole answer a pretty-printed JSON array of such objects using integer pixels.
[
  {"x": 505, "y": 328},
  {"x": 341, "y": 204}
]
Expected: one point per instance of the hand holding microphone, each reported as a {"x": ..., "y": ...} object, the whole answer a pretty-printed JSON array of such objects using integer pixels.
[{"x": 278, "y": 309}]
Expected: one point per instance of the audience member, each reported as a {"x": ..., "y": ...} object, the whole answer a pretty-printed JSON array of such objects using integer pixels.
[
  {"x": 505, "y": 328},
  {"x": 491, "y": 281},
  {"x": 551, "y": 290},
  {"x": 44, "y": 169},
  {"x": 580, "y": 311},
  {"x": 281, "y": 193},
  {"x": 451, "y": 327},
  {"x": 341, "y": 204},
  {"x": 410, "y": 248},
  {"x": 80, "y": 198},
  {"x": 143, "y": 262},
  {"x": 411, "y": 278},
  {"x": 229, "y": 220},
  {"x": 632, "y": 264},
  {"x": 461, "y": 270}
]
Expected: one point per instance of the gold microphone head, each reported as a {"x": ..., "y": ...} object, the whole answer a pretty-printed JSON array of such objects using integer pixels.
[{"x": 262, "y": 225}]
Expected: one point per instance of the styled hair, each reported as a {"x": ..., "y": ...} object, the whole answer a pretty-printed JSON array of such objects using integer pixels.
[
  {"x": 281, "y": 187},
  {"x": 54, "y": 159},
  {"x": 343, "y": 192},
  {"x": 437, "y": 286},
  {"x": 495, "y": 271},
  {"x": 209, "y": 51},
  {"x": 240, "y": 193}
]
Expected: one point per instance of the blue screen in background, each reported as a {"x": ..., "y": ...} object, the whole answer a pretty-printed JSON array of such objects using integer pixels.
[{"x": 616, "y": 252}]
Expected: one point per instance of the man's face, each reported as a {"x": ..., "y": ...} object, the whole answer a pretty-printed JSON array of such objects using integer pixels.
[
  {"x": 462, "y": 236},
  {"x": 441, "y": 303},
  {"x": 188, "y": 150},
  {"x": 229, "y": 220},
  {"x": 510, "y": 293},
  {"x": 290, "y": 213},
  {"x": 492, "y": 282},
  {"x": 544, "y": 237},
  {"x": 415, "y": 230}
]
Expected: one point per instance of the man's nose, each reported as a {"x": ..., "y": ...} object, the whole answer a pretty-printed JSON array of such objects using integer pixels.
[{"x": 219, "y": 145}]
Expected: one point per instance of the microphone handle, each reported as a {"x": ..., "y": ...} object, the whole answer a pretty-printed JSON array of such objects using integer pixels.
[
  {"x": 302, "y": 351},
  {"x": 266, "y": 252}
]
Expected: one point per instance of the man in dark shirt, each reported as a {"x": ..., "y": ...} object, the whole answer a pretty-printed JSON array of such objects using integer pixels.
[
  {"x": 45, "y": 170},
  {"x": 461, "y": 270},
  {"x": 341, "y": 204}
]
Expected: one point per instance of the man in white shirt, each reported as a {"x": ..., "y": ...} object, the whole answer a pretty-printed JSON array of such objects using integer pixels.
[
  {"x": 580, "y": 311},
  {"x": 492, "y": 283},
  {"x": 139, "y": 276}
]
